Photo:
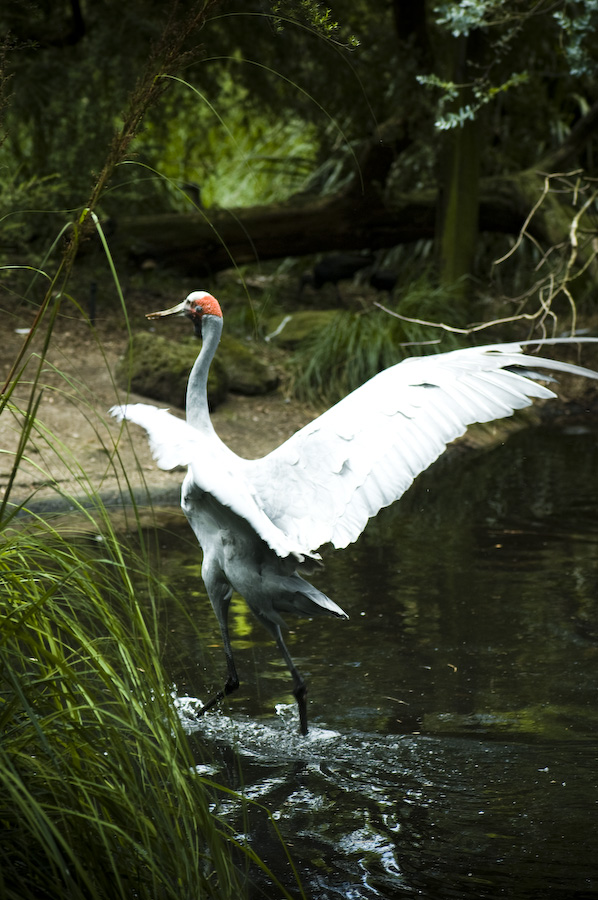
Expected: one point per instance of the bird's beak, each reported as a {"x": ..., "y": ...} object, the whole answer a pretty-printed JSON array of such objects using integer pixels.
[{"x": 179, "y": 310}]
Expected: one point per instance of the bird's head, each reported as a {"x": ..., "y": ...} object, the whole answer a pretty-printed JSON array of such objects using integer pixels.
[{"x": 195, "y": 306}]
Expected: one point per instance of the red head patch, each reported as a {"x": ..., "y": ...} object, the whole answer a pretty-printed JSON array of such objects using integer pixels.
[{"x": 203, "y": 304}]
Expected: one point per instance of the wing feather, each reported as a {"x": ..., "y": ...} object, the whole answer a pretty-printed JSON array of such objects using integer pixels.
[
  {"x": 215, "y": 469},
  {"x": 329, "y": 478},
  {"x": 172, "y": 441}
]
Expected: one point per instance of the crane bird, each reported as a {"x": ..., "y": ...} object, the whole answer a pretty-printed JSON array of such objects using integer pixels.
[{"x": 261, "y": 522}]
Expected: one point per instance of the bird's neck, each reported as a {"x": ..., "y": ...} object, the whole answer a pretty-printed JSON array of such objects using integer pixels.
[{"x": 198, "y": 413}]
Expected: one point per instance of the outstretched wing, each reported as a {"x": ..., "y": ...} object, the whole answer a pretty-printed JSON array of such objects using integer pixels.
[
  {"x": 328, "y": 479},
  {"x": 213, "y": 467},
  {"x": 172, "y": 441}
]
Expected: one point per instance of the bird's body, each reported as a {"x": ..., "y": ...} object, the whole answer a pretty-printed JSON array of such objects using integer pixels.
[{"x": 261, "y": 522}]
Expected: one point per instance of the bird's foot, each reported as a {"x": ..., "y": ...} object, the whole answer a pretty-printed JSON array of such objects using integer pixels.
[
  {"x": 231, "y": 685},
  {"x": 300, "y": 694}
]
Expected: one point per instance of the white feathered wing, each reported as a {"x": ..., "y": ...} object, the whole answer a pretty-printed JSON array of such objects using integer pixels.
[{"x": 325, "y": 482}]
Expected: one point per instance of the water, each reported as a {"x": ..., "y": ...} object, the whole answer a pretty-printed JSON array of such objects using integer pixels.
[{"x": 453, "y": 743}]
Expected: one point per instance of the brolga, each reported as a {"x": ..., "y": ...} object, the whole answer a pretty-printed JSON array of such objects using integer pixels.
[{"x": 260, "y": 523}]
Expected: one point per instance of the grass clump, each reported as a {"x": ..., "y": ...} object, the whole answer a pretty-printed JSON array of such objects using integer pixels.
[
  {"x": 97, "y": 797},
  {"x": 357, "y": 345}
]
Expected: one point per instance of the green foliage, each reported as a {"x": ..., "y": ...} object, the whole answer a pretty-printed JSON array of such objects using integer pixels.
[
  {"x": 579, "y": 23},
  {"x": 461, "y": 17},
  {"x": 99, "y": 797},
  {"x": 28, "y": 209},
  {"x": 279, "y": 96},
  {"x": 543, "y": 37},
  {"x": 483, "y": 93},
  {"x": 310, "y": 12},
  {"x": 99, "y": 793},
  {"x": 233, "y": 154},
  {"x": 236, "y": 148}
]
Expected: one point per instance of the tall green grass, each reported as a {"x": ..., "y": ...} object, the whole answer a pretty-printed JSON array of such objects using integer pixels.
[{"x": 99, "y": 797}]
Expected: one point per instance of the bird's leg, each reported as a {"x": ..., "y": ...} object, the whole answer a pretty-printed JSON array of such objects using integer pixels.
[
  {"x": 300, "y": 690},
  {"x": 232, "y": 682}
]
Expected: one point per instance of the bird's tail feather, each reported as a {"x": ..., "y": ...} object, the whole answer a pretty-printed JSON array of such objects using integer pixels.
[{"x": 306, "y": 600}]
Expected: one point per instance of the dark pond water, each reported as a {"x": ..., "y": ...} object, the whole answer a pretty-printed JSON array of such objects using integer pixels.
[{"x": 453, "y": 750}]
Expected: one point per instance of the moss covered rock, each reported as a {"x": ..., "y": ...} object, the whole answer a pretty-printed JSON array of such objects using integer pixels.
[
  {"x": 157, "y": 367},
  {"x": 245, "y": 371}
]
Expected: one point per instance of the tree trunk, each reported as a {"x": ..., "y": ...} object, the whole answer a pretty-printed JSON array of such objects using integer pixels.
[
  {"x": 220, "y": 239},
  {"x": 458, "y": 214},
  {"x": 458, "y": 208}
]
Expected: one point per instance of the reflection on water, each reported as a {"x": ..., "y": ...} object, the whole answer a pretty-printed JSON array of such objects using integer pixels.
[{"x": 454, "y": 720}]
